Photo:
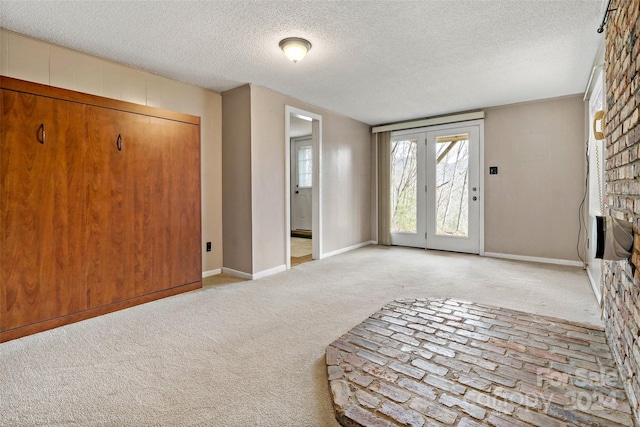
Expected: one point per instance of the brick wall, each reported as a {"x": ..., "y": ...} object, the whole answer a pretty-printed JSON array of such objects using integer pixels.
[{"x": 621, "y": 291}]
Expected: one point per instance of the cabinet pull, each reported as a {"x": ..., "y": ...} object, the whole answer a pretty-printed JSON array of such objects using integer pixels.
[
  {"x": 119, "y": 142},
  {"x": 41, "y": 134}
]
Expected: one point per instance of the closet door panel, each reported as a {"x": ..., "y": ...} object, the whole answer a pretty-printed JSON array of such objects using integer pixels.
[
  {"x": 145, "y": 170},
  {"x": 110, "y": 204},
  {"x": 163, "y": 266},
  {"x": 177, "y": 188},
  {"x": 41, "y": 209},
  {"x": 190, "y": 240},
  {"x": 64, "y": 179}
]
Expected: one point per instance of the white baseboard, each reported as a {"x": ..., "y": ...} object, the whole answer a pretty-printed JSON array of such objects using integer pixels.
[
  {"x": 535, "y": 259},
  {"x": 347, "y": 249},
  {"x": 283, "y": 267},
  {"x": 237, "y": 273},
  {"x": 595, "y": 285},
  {"x": 211, "y": 272},
  {"x": 270, "y": 272},
  {"x": 255, "y": 276}
]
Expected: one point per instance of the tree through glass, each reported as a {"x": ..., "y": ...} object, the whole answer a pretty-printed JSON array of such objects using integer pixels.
[
  {"x": 404, "y": 176},
  {"x": 452, "y": 185}
]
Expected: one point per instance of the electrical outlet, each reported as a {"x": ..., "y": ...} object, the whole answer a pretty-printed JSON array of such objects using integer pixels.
[{"x": 208, "y": 246}]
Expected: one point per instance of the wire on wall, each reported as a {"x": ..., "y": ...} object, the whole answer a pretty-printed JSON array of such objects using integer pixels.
[{"x": 581, "y": 220}]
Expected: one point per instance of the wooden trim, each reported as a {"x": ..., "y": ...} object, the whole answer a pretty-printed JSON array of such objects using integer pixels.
[
  {"x": 23, "y": 331},
  {"x": 307, "y": 234},
  {"x": 17, "y": 85},
  {"x": 296, "y": 261}
]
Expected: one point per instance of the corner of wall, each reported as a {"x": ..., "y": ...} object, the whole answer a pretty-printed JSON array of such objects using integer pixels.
[{"x": 236, "y": 180}]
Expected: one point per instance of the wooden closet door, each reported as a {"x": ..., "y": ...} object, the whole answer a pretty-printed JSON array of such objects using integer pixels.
[
  {"x": 41, "y": 209},
  {"x": 177, "y": 190},
  {"x": 111, "y": 217},
  {"x": 146, "y": 221}
]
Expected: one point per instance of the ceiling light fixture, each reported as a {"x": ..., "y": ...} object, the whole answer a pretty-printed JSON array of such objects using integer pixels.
[{"x": 295, "y": 48}]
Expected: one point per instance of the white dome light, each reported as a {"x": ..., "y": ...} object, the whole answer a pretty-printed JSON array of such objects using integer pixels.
[{"x": 295, "y": 48}]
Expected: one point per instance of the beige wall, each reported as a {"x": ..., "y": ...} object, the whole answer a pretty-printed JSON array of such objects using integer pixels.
[
  {"x": 346, "y": 205},
  {"x": 531, "y": 206},
  {"x": 346, "y": 177},
  {"x": 37, "y": 61},
  {"x": 268, "y": 168},
  {"x": 346, "y": 171},
  {"x": 236, "y": 179}
]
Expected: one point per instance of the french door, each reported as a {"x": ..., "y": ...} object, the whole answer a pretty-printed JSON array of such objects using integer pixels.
[{"x": 435, "y": 187}]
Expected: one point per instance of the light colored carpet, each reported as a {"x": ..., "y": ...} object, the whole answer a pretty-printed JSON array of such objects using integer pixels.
[
  {"x": 300, "y": 247},
  {"x": 251, "y": 353}
]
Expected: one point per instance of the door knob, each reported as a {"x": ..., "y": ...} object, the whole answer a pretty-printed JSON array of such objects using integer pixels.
[
  {"x": 297, "y": 192},
  {"x": 475, "y": 198}
]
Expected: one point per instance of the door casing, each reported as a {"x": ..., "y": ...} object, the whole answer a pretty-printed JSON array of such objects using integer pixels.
[
  {"x": 423, "y": 239},
  {"x": 316, "y": 210}
]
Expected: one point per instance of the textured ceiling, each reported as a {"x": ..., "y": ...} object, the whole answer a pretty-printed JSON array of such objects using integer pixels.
[{"x": 375, "y": 61}]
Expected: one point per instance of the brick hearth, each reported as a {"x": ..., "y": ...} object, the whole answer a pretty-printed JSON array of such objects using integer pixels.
[{"x": 432, "y": 362}]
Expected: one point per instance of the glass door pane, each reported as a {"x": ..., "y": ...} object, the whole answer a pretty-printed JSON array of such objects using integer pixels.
[
  {"x": 407, "y": 190},
  {"x": 404, "y": 175},
  {"x": 452, "y": 185}
]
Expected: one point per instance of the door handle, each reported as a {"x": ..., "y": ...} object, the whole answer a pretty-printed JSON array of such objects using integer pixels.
[
  {"x": 297, "y": 192},
  {"x": 42, "y": 133},
  {"x": 475, "y": 198},
  {"x": 119, "y": 143}
]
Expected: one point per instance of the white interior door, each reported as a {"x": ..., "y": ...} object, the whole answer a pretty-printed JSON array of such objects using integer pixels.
[
  {"x": 407, "y": 189},
  {"x": 302, "y": 178},
  {"x": 453, "y": 188}
]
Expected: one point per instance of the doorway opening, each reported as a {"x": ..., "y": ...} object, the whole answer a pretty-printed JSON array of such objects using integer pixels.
[
  {"x": 303, "y": 134},
  {"x": 436, "y": 187}
]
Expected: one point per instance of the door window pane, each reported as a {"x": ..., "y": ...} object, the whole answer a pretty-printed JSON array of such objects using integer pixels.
[
  {"x": 305, "y": 167},
  {"x": 404, "y": 175},
  {"x": 452, "y": 189}
]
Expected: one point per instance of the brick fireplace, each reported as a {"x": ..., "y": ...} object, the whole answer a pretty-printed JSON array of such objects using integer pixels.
[{"x": 622, "y": 173}]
